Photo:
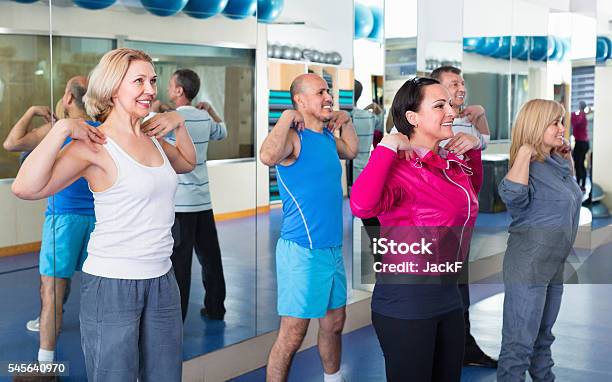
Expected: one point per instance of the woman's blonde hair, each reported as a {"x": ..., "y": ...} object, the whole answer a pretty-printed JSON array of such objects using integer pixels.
[
  {"x": 531, "y": 122},
  {"x": 105, "y": 78}
]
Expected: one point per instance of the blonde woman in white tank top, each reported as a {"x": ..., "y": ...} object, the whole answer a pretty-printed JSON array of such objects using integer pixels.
[{"x": 131, "y": 326}]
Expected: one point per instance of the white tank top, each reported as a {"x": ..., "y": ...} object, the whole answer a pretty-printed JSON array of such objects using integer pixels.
[{"x": 132, "y": 237}]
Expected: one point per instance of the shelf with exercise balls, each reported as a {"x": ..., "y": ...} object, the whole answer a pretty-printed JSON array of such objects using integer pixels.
[
  {"x": 269, "y": 10},
  {"x": 203, "y": 9},
  {"x": 93, "y": 4},
  {"x": 240, "y": 9},
  {"x": 164, "y": 8}
]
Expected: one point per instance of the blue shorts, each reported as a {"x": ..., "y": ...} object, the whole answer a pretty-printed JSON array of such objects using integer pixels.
[
  {"x": 64, "y": 244},
  {"x": 309, "y": 281}
]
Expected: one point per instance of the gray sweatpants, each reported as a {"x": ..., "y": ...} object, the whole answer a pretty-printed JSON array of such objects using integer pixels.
[{"x": 131, "y": 329}]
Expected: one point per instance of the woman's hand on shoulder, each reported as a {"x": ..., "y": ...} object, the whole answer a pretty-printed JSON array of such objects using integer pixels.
[
  {"x": 79, "y": 130},
  {"x": 461, "y": 143},
  {"x": 528, "y": 150},
  {"x": 400, "y": 143},
  {"x": 161, "y": 124}
]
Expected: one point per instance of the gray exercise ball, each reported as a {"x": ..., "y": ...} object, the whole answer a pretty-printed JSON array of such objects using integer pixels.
[
  {"x": 277, "y": 53},
  {"x": 307, "y": 54},
  {"x": 271, "y": 50},
  {"x": 336, "y": 58},
  {"x": 316, "y": 56},
  {"x": 297, "y": 53},
  {"x": 286, "y": 52}
]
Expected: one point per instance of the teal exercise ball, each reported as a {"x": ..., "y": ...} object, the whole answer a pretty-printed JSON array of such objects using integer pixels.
[
  {"x": 164, "y": 8},
  {"x": 504, "y": 48},
  {"x": 520, "y": 46},
  {"x": 539, "y": 48},
  {"x": 377, "y": 33},
  {"x": 364, "y": 21},
  {"x": 269, "y": 10},
  {"x": 473, "y": 44},
  {"x": 203, "y": 9},
  {"x": 240, "y": 9},
  {"x": 94, "y": 4}
]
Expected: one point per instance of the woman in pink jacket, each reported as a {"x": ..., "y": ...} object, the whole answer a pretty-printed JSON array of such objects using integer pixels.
[{"x": 425, "y": 197}]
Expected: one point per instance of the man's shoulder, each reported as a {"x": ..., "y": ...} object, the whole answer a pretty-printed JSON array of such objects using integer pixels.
[
  {"x": 192, "y": 114},
  {"x": 361, "y": 114}
]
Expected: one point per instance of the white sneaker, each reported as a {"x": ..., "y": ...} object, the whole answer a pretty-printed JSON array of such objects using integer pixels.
[{"x": 33, "y": 325}]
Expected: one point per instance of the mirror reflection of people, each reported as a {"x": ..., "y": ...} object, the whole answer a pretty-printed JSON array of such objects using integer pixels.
[
  {"x": 309, "y": 265},
  {"x": 410, "y": 181},
  {"x": 195, "y": 222},
  {"x": 130, "y": 317},
  {"x": 580, "y": 131},
  {"x": 544, "y": 202},
  {"x": 470, "y": 120},
  {"x": 69, "y": 219}
]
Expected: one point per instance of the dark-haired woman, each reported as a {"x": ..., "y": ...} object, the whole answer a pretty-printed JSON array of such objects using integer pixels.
[{"x": 413, "y": 186}]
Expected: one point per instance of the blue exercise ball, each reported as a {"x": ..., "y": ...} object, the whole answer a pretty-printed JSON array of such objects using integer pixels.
[
  {"x": 551, "y": 47},
  {"x": 599, "y": 211},
  {"x": 164, "y": 7},
  {"x": 609, "y": 44},
  {"x": 504, "y": 48},
  {"x": 602, "y": 50},
  {"x": 473, "y": 44},
  {"x": 539, "y": 48},
  {"x": 94, "y": 4},
  {"x": 25, "y": 1},
  {"x": 203, "y": 9},
  {"x": 597, "y": 193},
  {"x": 364, "y": 21},
  {"x": 519, "y": 46},
  {"x": 524, "y": 56},
  {"x": 377, "y": 29},
  {"x": 240, "y": 9},
  {"x": 269, "y": 10},
  {"x": 490, "y": 46},
  {"x": 559, "y": 50}
]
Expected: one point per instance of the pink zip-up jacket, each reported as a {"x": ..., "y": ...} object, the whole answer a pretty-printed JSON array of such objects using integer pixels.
[{"x": 435, "y": 192}]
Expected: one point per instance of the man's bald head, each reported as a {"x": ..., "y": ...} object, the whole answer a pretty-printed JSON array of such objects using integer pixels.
[{"x": 301, "y": 83}]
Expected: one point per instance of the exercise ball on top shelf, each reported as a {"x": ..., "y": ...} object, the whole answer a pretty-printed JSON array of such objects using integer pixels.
[
  {"x": 377, "y": 28},
  {"x": 164, "y": 8},
  {"x": 269, "y": 10},
  {"x": 25, "y": 1},
  {"x": 203, "y": 9},
  {"x": 93, "y": 4},
  {"x": 364, "y": 21},
  {"x": 539, "y": 48},
  {"x": 473, "y": 44},
  {"x": 519, "y": 46},
  {"x": 602, "y": 50},
  {"x": 504, "y": 48},
  {"x": 490, "y": 46},
  {"x": 240, "y": 9},
  {"x": 296, "y": 54}
]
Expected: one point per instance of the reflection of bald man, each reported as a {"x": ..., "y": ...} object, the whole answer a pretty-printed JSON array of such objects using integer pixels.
[
  {"x": 309, "y": 265},
  {"x": 68, "y": 222},
  {"x": 470, "y": 120}
]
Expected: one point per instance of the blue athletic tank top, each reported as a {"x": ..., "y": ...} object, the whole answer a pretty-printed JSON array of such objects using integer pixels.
[
  {"x": 75, "y": 199},
  {"x": 311, "y": 192}
]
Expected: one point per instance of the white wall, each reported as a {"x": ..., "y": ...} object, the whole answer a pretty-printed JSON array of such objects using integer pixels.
[
  {"x": 328, "y": 26},
  {"x": 232, "y": 186},
  {"x": 21, "y": 221}
]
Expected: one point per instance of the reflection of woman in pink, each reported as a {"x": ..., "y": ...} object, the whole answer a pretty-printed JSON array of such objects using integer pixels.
[
  {"x": 420, "y": 327},
  {"x": 580, "y": 131}
]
